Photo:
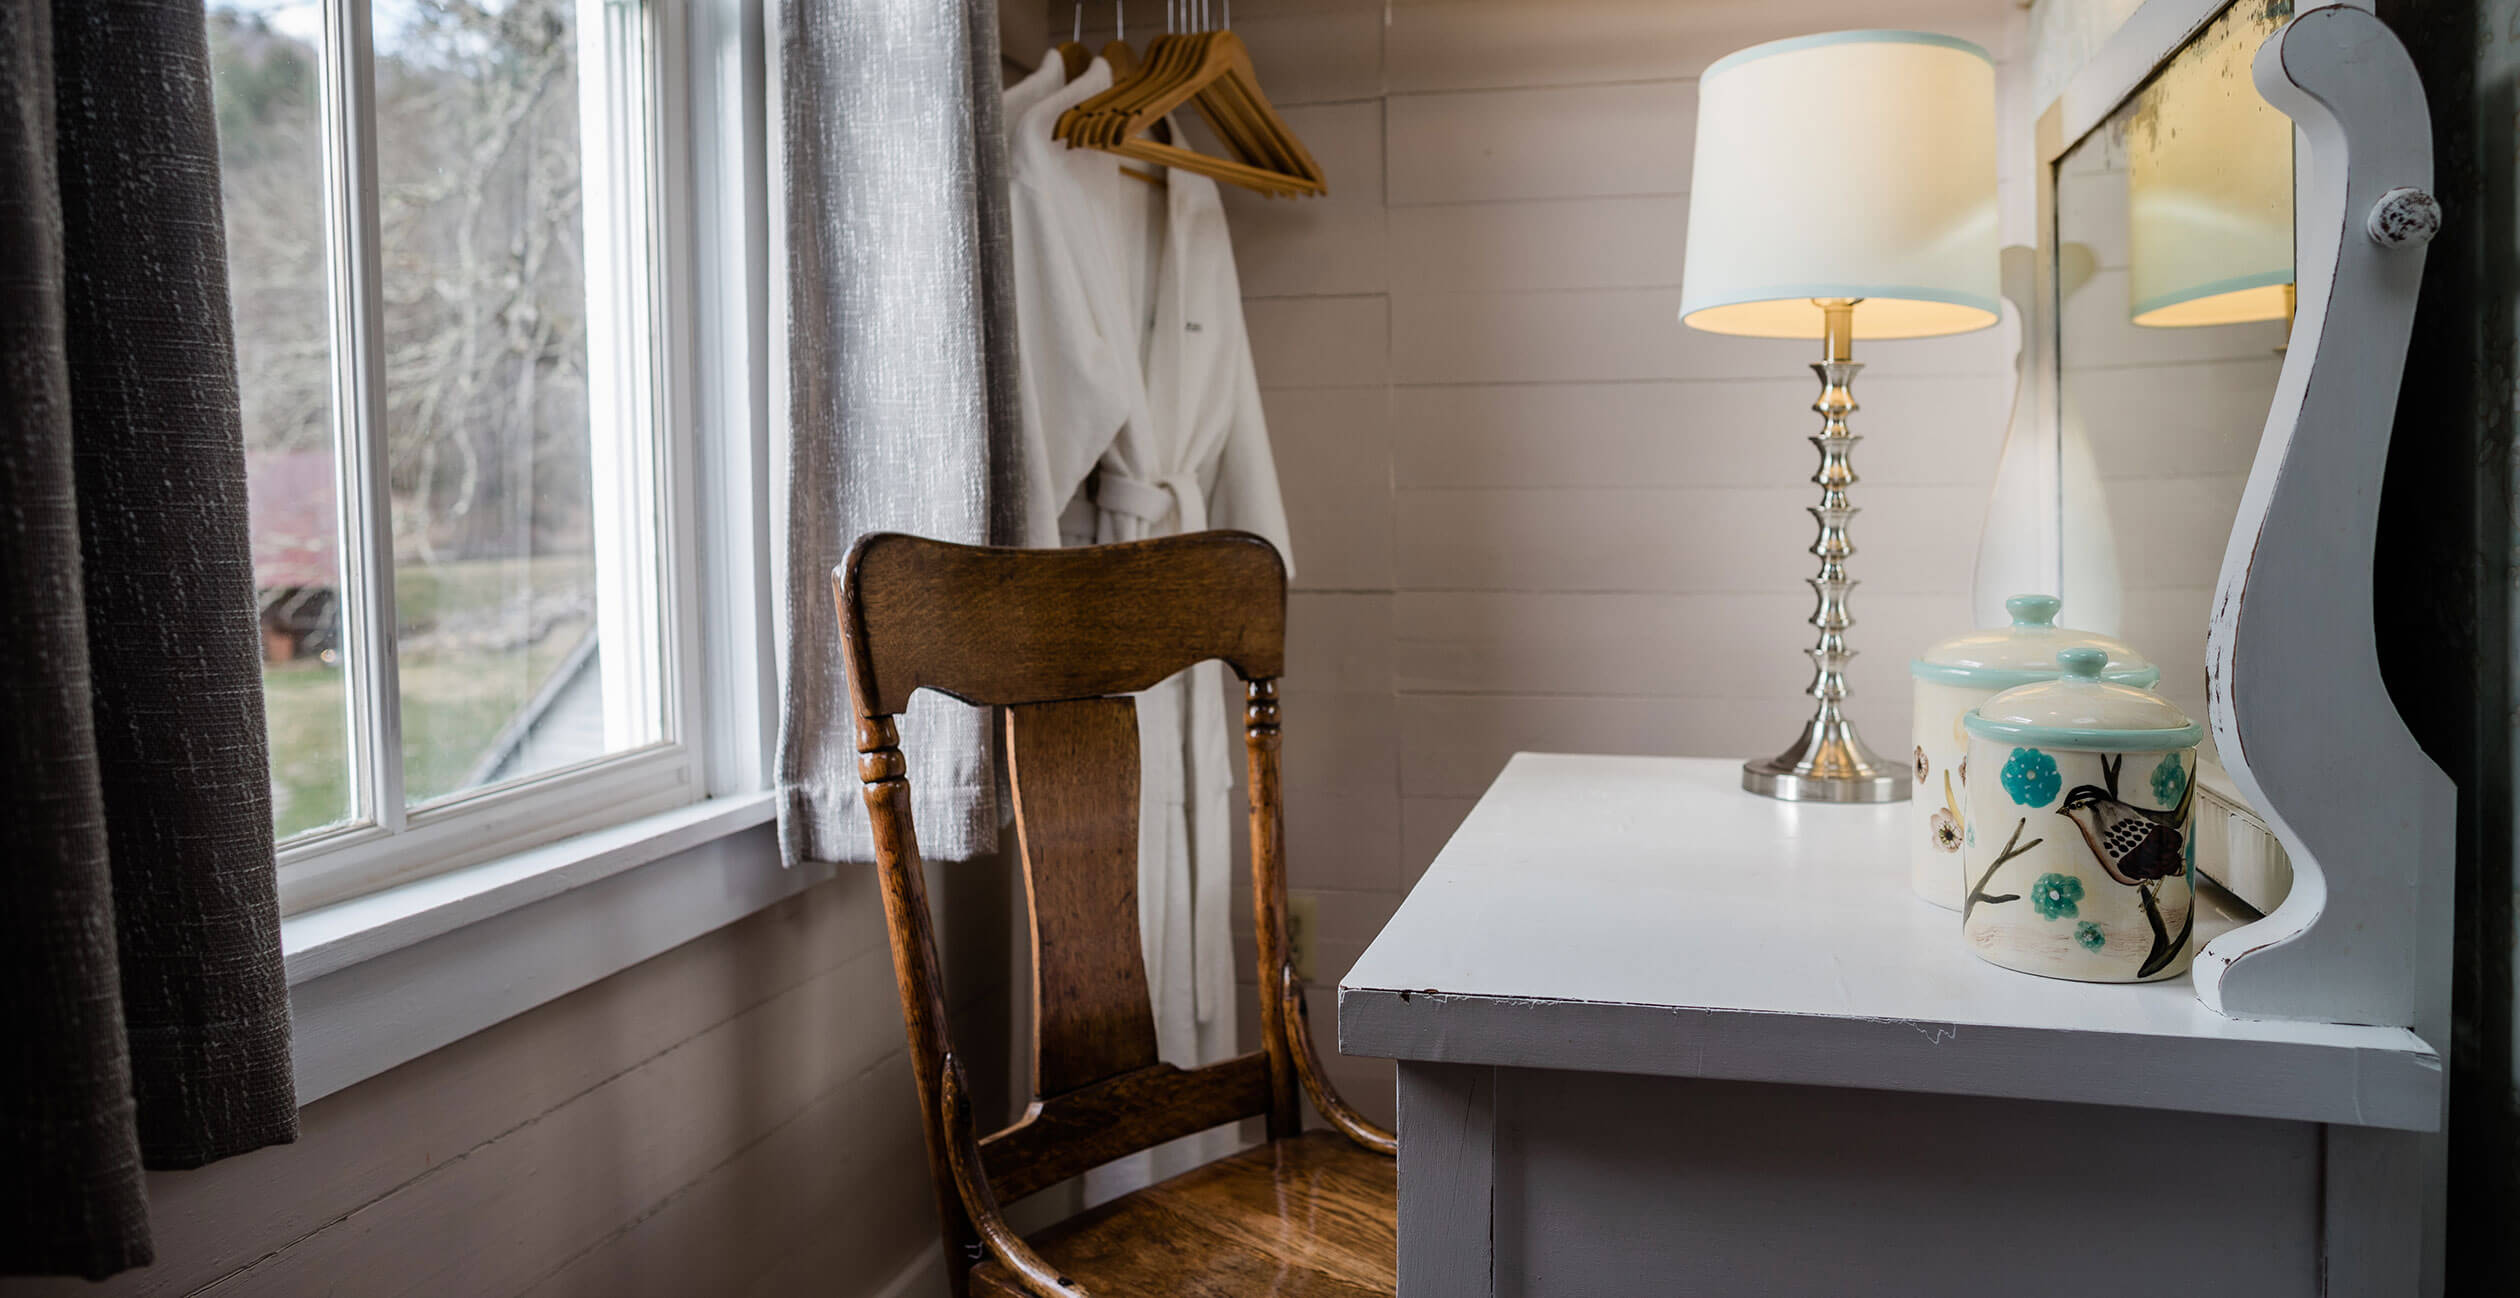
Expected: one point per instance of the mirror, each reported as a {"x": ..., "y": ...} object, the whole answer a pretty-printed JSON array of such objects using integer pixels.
[{"x": 2173, "y": 264}]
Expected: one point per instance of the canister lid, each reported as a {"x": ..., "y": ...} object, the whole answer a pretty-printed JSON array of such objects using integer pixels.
[
  {"x": 2026, "y": 651},
  {"x": 2080, "y": 709}
]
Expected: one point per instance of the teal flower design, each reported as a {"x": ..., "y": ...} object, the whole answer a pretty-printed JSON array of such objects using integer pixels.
[
  {"x": 1971, "y": 833},
  {"x": 2090, "y": 936},
  {"x": 2169, "y": 781},
  {"x": 2054, "y": 896},
  {"x": 2030, "y": 777}
]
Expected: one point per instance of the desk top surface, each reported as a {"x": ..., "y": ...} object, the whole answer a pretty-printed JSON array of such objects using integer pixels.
[{"x": 1644, "y": 915}]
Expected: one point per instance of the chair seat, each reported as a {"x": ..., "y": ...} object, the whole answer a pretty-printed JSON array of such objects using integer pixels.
[{"x": 1307, "y": 1217}]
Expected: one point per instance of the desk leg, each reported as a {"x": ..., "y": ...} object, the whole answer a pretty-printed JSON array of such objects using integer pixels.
[{"x": 1447, "y": 1180}]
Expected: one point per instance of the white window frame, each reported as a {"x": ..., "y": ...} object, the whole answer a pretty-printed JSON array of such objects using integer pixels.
[{"x": 703, "y": 579}]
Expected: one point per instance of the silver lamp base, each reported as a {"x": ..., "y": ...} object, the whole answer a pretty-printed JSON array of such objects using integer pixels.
[
  {"x": 1829, "y": 764},
  {"x": 1838, "y": 769}
]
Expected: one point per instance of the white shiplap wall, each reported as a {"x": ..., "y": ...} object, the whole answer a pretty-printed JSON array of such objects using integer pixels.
[{"x": 1529, "y": 509}]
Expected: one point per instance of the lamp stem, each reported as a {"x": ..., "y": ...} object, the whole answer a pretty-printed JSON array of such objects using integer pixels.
[{"x": 1830, "y": 763}]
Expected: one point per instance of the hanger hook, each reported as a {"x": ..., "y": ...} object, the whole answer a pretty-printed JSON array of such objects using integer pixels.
[{"x": 1078, "y": 33}]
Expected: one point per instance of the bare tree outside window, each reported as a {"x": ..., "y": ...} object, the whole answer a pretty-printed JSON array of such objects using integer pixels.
[
  {"x": 482, "y": 265},
  {"x": 485, "y": 387}
]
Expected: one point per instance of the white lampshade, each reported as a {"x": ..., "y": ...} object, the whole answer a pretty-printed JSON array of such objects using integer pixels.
[
  {"x": 1845, "y": 165},
  {"x": 2209, "y": 189}
]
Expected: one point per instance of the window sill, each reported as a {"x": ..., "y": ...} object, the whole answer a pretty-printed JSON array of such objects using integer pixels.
[
  {"x": 380, "y": 980},
  {"x": 331, "y": 938}
]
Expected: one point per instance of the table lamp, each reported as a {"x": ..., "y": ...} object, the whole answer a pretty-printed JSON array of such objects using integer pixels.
[
  {"x": 1844, "y": 183},
  {"x": 2209, "y": 189}
]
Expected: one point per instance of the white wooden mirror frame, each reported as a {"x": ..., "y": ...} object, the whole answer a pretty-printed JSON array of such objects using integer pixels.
[{"x": 2298, "y": 709}]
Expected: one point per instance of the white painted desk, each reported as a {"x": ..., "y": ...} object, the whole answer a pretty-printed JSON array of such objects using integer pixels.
[{"x": 1657, "y": 1035}]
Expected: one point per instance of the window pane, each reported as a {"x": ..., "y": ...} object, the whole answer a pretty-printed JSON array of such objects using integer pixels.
[
  {"x": 264, "y": 61},
  {"x": 498, "y": 548}
]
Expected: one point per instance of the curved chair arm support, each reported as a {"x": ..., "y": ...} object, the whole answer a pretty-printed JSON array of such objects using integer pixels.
[
  {"x": 962, "y": 1152},
  {"x": 1352, "y": 1124}
]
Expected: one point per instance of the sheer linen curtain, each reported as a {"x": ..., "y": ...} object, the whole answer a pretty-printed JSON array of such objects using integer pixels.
[
  {"x": 901, "y": 359},
  {"x": 142, "y": 1001}
]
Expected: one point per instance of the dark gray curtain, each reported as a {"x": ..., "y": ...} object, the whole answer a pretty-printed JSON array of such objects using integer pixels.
[
  {"x": 901, "y": 362},
  {"x": 143, "y": 1012}
]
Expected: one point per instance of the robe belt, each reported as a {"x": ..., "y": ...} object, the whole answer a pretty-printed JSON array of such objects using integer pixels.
[{"x": 1152, "y": 501}]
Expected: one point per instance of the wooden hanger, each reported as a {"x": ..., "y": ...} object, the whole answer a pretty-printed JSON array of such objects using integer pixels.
[
  {"x": 1226, "y": 91},
  {"x": 1243, "y": 126},
  {"x": 1211, "y": 71},
  {"x": 1073, "y": 55},
  {"x": 1252, "y": 133},
  {"x": 1123, "y": 63},
  {"x": 1089, "y": 123},
  {"x": 1256, "y": 166},
  {"x": 1100, "y": 122}
]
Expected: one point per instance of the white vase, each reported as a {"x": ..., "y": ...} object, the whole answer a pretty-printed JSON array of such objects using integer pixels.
[{"x": 2078, "y": 853}]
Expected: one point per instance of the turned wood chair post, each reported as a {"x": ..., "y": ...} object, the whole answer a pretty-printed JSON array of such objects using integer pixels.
[
  {"x": 883, "y": 779},
  {"x": 1268, "y": 898}
]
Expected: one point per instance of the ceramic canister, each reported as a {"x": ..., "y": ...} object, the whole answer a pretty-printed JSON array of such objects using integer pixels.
[
  {"x": 1957, "y": 675},
  {"x": 2078, "y": 856}
]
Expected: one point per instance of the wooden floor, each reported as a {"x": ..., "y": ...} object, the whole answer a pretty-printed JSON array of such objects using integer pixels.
[{"x": 1310, "y": 1217}]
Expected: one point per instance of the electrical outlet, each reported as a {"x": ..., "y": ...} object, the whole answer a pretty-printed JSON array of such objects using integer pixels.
[{"x": 1303, "y": 921}]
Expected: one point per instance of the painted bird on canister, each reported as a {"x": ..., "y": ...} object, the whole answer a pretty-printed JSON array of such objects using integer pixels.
[{"x": 2136, "y": 845}]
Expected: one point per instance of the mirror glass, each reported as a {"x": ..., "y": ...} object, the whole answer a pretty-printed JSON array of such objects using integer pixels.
[{"x": 2174, "y": 262}]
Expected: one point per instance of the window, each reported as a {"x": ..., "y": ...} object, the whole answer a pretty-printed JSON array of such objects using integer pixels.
[{"x": 450, "y": 300}]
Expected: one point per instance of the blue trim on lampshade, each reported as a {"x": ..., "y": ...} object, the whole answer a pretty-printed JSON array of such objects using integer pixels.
[
  {"x": 2215, "y": 288},
  {"x": 2084, "y": 739},
  {"x": 1868, "y": 37},
  {"x": 2004, "y": 678},
  {"x": 1800, "y": 292}
]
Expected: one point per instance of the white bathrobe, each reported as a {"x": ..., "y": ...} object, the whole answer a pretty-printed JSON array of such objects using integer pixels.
[
  {"x": 1200, "y": 460},
  {"x": 1133, "y": 349},
  {"x": 1035, "y": 86},
  {"x": 1078, "y": 374}
]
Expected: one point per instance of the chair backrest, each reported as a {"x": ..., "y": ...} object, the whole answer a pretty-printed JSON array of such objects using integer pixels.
[{"x": 1058, "y": 639}]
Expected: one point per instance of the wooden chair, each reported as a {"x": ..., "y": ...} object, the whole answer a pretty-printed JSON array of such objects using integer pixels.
[{"x": 1059, "y": 638}]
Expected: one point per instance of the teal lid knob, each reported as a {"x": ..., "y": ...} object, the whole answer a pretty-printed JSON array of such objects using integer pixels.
[
  {"x": 2033, "y": 610},
  {"x": 2082, "y": 664}
]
